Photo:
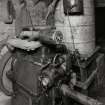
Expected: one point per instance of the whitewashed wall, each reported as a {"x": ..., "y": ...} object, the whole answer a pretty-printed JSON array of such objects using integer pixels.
[{"x": 82, "y": 28}]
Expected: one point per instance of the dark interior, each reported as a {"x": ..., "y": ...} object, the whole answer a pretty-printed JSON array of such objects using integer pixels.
[{"x": 100, "y": 25}]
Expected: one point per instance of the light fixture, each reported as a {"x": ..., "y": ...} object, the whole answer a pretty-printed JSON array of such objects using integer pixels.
[{"x": 73, "y": 7}]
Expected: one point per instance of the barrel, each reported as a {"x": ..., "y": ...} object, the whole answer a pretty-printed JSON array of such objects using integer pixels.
[{"x": 78, "y": 30}]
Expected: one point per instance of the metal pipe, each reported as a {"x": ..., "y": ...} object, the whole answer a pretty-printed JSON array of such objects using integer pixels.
[
  {"x": 86, "y": 84},
  {"x": 90, "y": 79},
  {"x": 85, "y": 100}
]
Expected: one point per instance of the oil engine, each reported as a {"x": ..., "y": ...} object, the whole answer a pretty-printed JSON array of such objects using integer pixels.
[{"x": 54, "y": 65}]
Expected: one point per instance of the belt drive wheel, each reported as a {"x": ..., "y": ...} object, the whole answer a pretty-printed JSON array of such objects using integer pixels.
[{"x": 5, "y": 65}]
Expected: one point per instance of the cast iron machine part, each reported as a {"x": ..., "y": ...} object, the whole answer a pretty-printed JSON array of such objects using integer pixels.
[
  {"x": 60, "y": 78},
  {"x": 60, "y": 74}
]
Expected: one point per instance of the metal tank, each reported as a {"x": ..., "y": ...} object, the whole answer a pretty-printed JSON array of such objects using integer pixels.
[{"x": 78, "y": 30}]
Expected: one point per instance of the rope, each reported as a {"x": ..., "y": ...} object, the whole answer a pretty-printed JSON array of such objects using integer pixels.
[
  {"x": 78, "y": 61},
  {"x": 71, "y": 30}
]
